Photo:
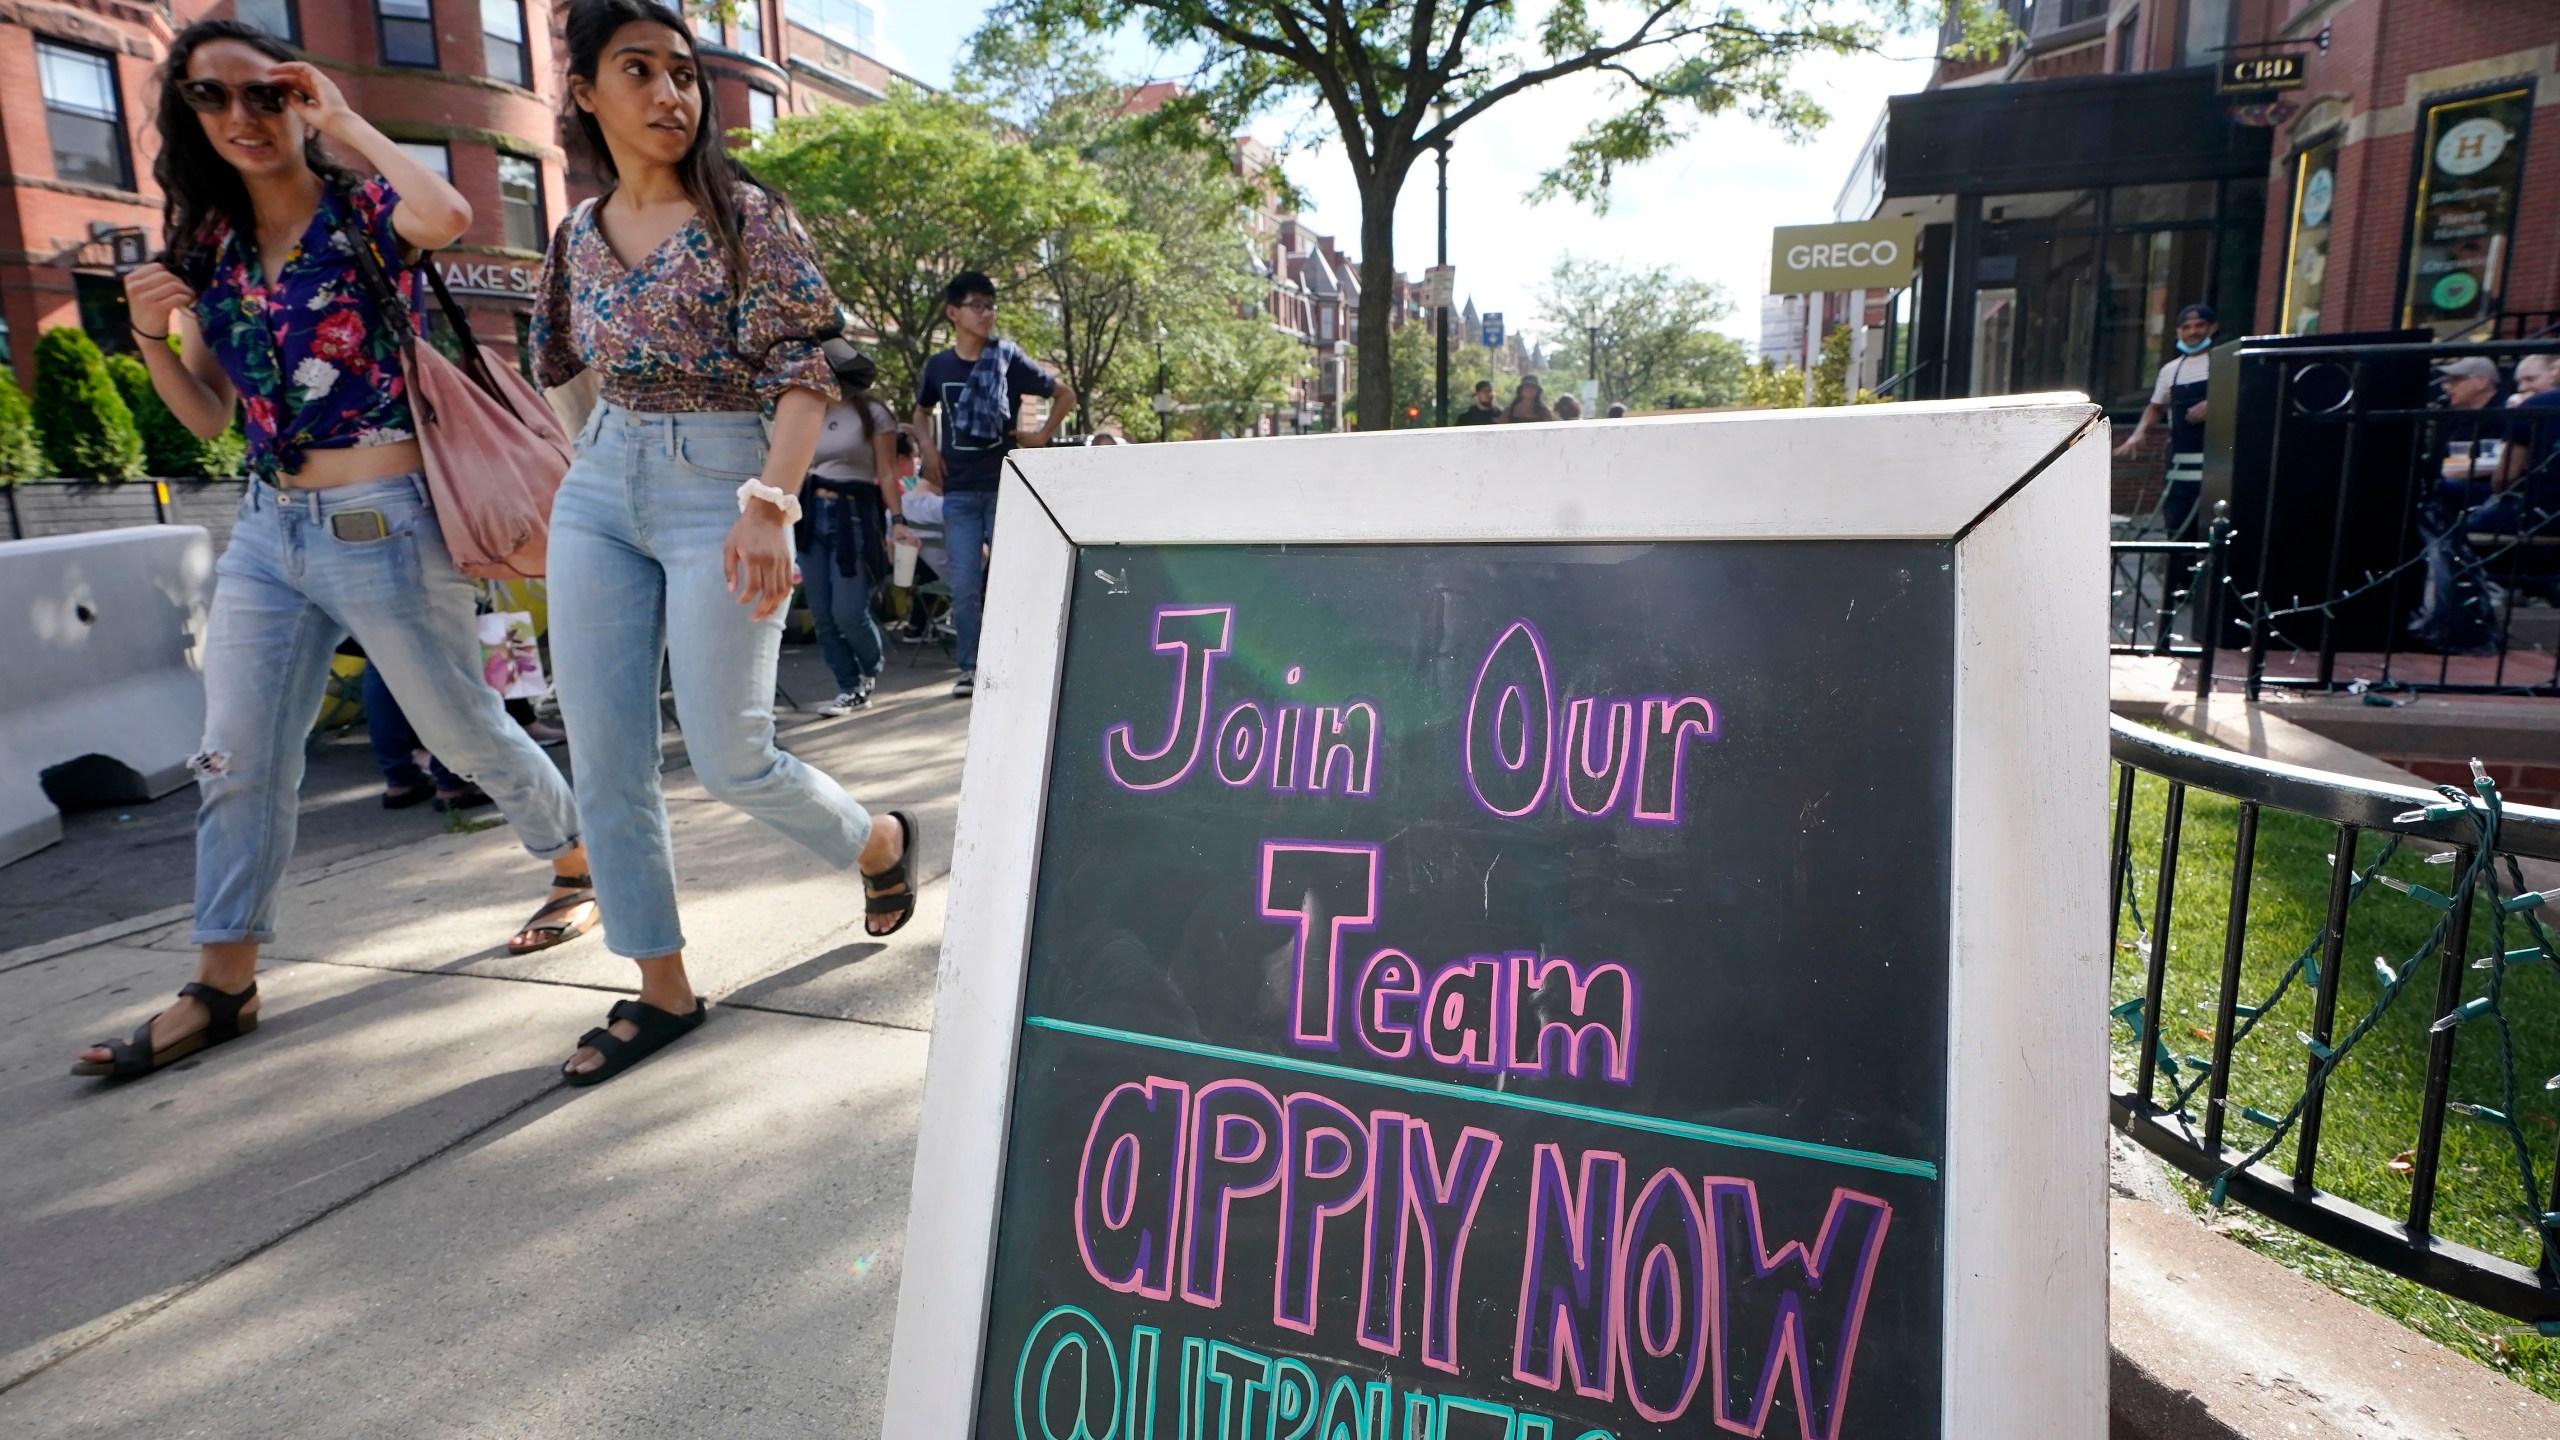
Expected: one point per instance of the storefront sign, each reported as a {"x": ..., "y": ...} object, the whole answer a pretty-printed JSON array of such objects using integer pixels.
[
  {"x": 1868, "y": 255},
  {"x": 1427, "y": 963},
  {"x": 2469, "y": 172},
  {"x": 510, "y": 280},
  {"x": 2244, "y": 74}
]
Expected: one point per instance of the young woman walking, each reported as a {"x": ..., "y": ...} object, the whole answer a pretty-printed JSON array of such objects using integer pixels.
[
  {"x": 264, "y": 296},
  {"x": 692, "y": 293},
  {"x": 843, "y": 534}
]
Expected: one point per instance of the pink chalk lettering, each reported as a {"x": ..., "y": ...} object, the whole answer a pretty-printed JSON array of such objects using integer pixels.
[
  {"x": 1443, "y": 1204},
  {"x": 1133, "y": 1152},
  {"x": 1463, "y": 1013},
  {"x": 1510, "y": 724},
  {"x": 1242, "y": 738},
  {"x": 1288, "y": 730},
  {"x": 1661, "y": 756},
  {"x": 1793, "y": 1309},
  {"x": 1383, "y": 1236},
  {"x": 1347, "y": 734},
  {"x": 1321, "y": 889},
  {"x": 1591, "y": 1011},
  {"x": 1592, "y": 791},
  {"x": 1232, "y": 1153},
  {"x": 1326, "y": 1175},
  {"x": 1568, "y": 1274},
  {"x": 1390, "y": 981},
  {"x": 1196, "y": 635},
  {"x": 1663, "y": 1275}
]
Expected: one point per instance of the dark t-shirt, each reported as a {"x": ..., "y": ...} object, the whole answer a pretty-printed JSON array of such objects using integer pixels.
[
  {"x": 945, "y": 376},
  {"x": 1475, "y": 415}
]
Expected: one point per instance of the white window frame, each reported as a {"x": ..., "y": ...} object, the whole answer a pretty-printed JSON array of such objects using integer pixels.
[
  {"x": 541, "y": 201},
  {"x": 114, "y": 118},
  {"x": 436, "y": 155},
  {"x": 2017, "y": 485}
]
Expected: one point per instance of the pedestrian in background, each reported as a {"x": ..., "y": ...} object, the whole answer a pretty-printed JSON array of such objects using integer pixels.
[
  {"x": 1528, "y": 403},
  {"x": 2177, "y": 395},
  {"x": 690, "y": 290},
  {"x": 1483, "y": 410},
  {"x": 262, "y": 289},
  {"x": 1568, "y": 408},
  {"x": 843, "y": 532},
  {"x": 975, "y": 389}
]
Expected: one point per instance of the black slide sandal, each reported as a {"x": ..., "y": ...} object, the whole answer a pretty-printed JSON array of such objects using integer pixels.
[
  {"x": 901, "y": 903},
  {"x": 135, "y": 1057},
  {"x": 558, "y": 932},
  {"x": 657, "y": 1027}
]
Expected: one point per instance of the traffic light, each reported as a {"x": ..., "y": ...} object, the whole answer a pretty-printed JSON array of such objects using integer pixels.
[{"x": 1413, "y": 412}]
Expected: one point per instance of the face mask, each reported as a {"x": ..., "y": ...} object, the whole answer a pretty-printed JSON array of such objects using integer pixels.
[{"x": 2197, "y": 348}]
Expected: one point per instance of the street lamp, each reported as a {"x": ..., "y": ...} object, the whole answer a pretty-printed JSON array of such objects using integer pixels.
[{"x": 1440, "y": 314}]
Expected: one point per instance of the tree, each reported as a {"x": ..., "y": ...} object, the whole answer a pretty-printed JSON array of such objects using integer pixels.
[
  {"x": 20, "y": 457},
  {"x": 1399, "y": 78},
  {"x": 1768, "y": 385},
  {"x": 85, "y": 428},
  {"x": 1658, "y": 345},
  {"x": 169, "y": 448},
  {"x": 899, "y": 197}
]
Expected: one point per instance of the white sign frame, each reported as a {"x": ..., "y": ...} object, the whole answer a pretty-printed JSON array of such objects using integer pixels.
[{"x": 2018, "y": 484}]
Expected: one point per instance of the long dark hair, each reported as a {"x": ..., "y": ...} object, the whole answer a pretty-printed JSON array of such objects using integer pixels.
[
  {"x": 202, "y": 191},
  {"x": 709, "y": 176}
]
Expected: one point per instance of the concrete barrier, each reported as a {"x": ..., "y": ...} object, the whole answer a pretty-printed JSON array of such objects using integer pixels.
[{"x": 104, "y": 697}]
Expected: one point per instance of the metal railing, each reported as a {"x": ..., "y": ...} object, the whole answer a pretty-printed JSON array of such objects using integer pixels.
[
  {"x": 2287, "y": 1190},
  {"x": 2159, "y": 585}
]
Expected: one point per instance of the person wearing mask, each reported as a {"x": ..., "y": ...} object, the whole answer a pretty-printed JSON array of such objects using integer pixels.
[
  {"x": 261, "y": 290},
  {"x": 691, "y": 291},
  {"x": 843, "y": 533},
  {"x": 2177, "y": 395},
  {"x": 1528, "y": 403},
  {"x": 975, "y": 388},
  {"x": 1484, "y": 411}
]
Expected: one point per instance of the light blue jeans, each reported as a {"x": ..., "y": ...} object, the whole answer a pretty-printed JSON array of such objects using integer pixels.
[
  {"x": 635, "y": 582},
  {"x": 968, "y": 526},
  {"x": 285, "y": 593}
]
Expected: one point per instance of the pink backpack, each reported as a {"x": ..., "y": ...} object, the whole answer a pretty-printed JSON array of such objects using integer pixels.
[{"x": 495, "y": 451}]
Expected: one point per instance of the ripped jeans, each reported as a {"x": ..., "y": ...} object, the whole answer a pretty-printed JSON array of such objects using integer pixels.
[{"x": 286, "y": 591}]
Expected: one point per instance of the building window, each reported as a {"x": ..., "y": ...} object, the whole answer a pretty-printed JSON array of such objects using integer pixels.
[
  {"x": 746, "y": 30},
  {"x": 846, "y": 22},
  {"x": 276, "y": 17},
  {"x": 2306, "y": 268},
  {"x": 2208, "y": 31},
  {"x": 406, "y": 30},
  {"x": 85, "y": 112},
  {"x": 520, "y": 201},
  {"x": 2128, "y": 59},
  {"x": 760, "y": 110},
  {"x": 435, "y": 155},
  {"x": 2470, "y": 167},
  {"x": 102, "y": 311},
  {"x": 502, "y": 42}
]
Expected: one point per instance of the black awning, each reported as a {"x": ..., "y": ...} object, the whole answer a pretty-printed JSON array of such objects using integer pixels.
[{"x": 2064, "y": 134}]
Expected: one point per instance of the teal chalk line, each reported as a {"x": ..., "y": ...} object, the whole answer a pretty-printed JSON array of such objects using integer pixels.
[{"x": 1538, "y": 1104}]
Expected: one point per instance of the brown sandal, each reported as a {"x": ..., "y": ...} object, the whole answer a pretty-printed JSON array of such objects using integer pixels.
[
  {"x": 557, "y": 932},
  {"x": 136, "y": 1057}
]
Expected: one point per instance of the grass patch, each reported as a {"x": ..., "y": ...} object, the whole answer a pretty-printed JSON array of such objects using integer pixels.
[{"x": 2370, "y": 1116}]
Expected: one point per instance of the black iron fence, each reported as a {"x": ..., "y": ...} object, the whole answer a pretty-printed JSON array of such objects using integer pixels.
[{"x": 2267, "y": 1156}]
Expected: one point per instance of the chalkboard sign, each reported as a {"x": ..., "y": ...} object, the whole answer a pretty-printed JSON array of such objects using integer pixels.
[{"x": 1524, "y": 981}]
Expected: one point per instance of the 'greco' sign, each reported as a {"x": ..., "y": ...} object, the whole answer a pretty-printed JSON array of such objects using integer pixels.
[{"x": 1869, "y": 255}]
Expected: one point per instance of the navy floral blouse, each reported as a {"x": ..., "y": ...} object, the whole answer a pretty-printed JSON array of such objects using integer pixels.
[
  {"x": 671, "y": 334},
  {"x": 315, "y": 367}
]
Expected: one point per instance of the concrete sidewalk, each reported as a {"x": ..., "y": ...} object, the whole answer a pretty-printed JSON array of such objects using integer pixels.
[{"x": 383, "y": 1214}]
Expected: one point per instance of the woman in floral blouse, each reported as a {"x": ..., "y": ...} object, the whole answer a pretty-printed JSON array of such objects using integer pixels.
[
  {"x": 260, "y": 302},
  {"x": 691, "y": 292}
]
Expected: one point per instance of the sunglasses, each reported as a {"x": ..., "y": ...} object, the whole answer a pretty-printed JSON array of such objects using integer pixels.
[{"x": 213, "y": 97}]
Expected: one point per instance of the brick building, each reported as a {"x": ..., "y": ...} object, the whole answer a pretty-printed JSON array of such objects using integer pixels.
[
  {"x": 473, "y": 85},
  {"x": 2076, "y": 191}
]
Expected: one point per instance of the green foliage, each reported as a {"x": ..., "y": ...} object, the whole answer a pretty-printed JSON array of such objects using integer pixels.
[
  {"x": 1831, "y": 373},
  {"x": 900, "y": 196},
  {"x": 1398, "y": 78},
  {"x": 87, "y": 432},
  {"x": 1658, "y": 345},
  {"x": 1768, "y": 385},
  {"x": 20, "y": 457},
  {"x": 169, "y": 448}
]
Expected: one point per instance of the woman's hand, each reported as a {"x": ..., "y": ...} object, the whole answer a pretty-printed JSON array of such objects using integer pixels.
[
  {"x": 315, "y": 96},
  {"x": 756, "y": 558},
  {"x": 154, "y": 290}
]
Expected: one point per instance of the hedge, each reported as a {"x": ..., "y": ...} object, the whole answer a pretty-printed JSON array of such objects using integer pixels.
[
  {"x": 169, "y": 448},
  {"x": 86, "y": 430},
  {"x": 20, "y": 457}
]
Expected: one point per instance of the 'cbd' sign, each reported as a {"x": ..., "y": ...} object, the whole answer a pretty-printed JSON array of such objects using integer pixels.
[{"x": 2260, "y": 72}]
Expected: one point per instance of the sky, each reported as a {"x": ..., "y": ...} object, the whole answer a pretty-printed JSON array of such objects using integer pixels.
[{"x": 1705, "y": 208}]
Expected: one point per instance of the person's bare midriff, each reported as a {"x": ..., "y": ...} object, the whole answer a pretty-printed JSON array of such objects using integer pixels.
[{"x": 328, "y": 469}]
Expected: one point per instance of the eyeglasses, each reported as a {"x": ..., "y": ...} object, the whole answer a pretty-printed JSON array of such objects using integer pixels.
[{"x": 213, "y": 97}]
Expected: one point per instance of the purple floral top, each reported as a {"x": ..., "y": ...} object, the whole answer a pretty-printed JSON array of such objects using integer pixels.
[
  {"x": 668, "y": 335},
  {"x": 315, "y": 367}
]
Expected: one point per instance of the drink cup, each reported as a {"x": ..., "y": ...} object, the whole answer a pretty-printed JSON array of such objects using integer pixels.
[{"x": 902, "y": 565}]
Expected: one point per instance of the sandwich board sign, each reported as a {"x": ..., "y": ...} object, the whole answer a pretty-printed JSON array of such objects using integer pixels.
[{"x": 1529, "y": 933}]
